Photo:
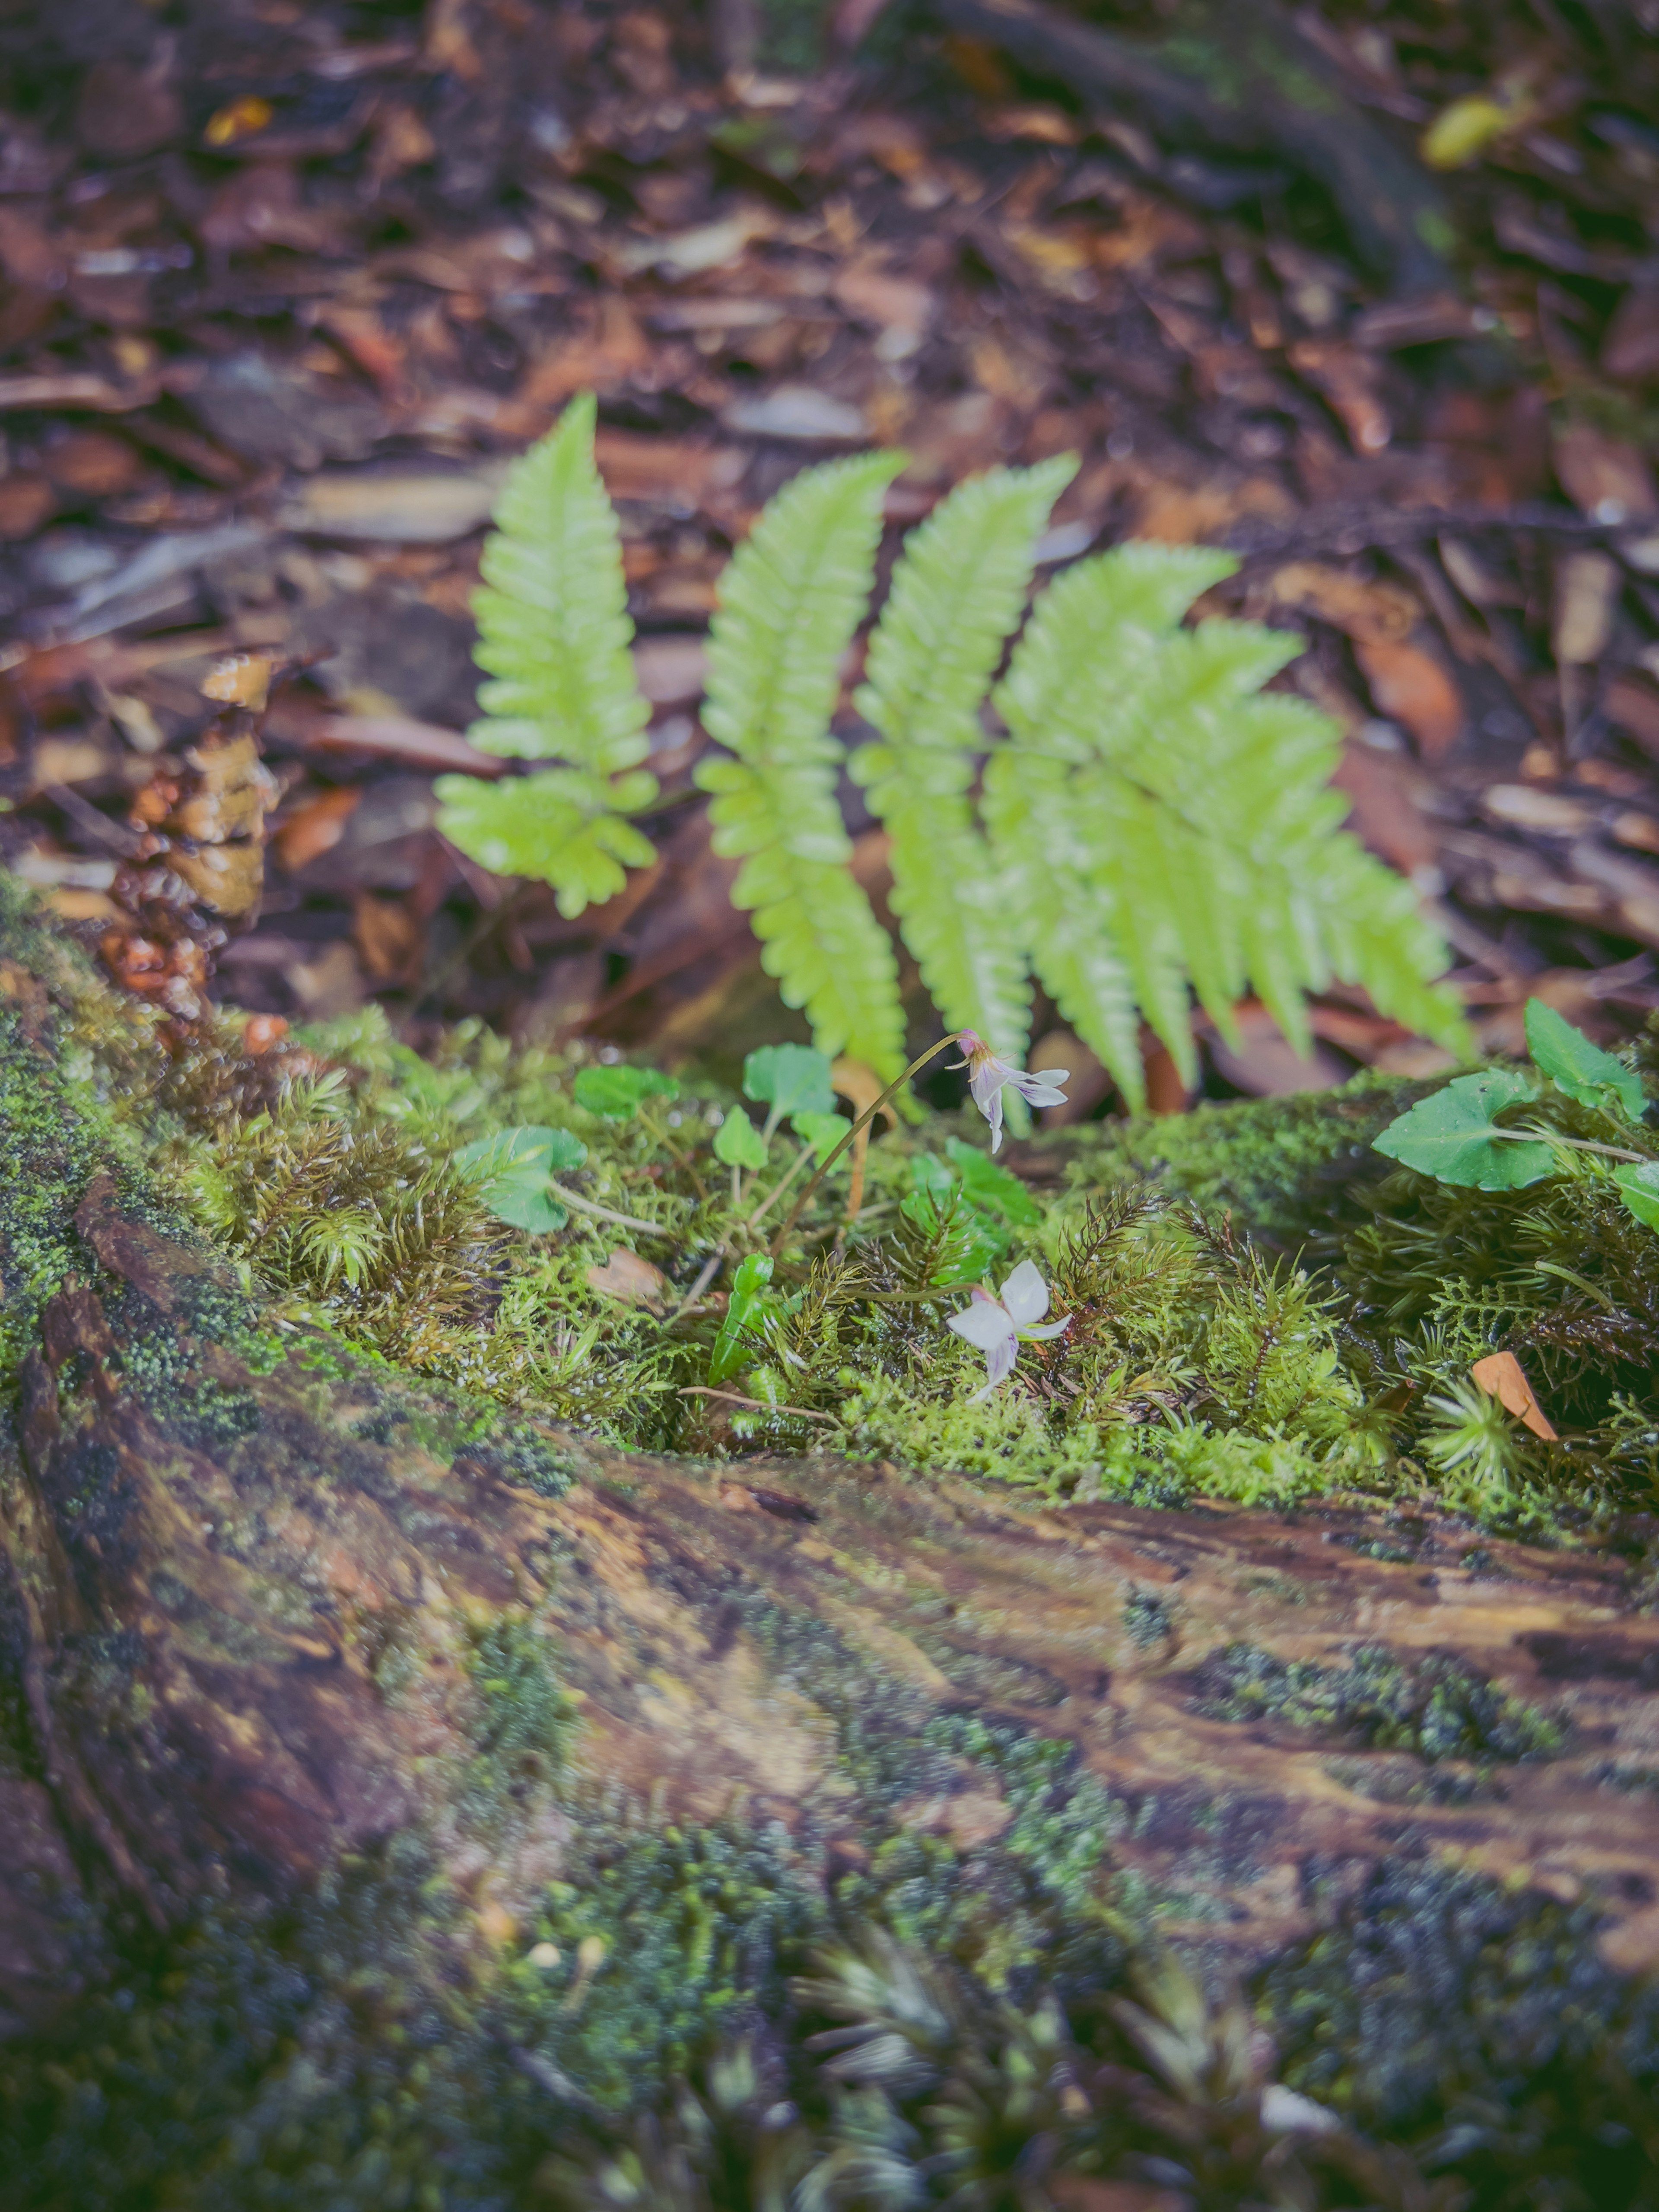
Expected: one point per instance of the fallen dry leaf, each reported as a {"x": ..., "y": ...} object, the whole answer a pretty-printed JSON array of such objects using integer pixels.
[
  {"x": 26, "y": 502},
  {"x": 1346, "y": 602},
  {"x": 1384, "y": 815},
  {"x": 390, "y": 938},
  {"x": 1500, "y": 1376},
  {"x": 95, "y": 463},
  {"x": 1631, "y": 349},
  {"x": 1346, "y": 380},
  {"x": 1587, "y": 587},
  {"x": 1409, "y": 685},
  {"x": 1602, "y": 477},
  {"x": 242, "y": 679},
  {"x": 315, "y": 829},
  {"x": 625, "y": 1275}
]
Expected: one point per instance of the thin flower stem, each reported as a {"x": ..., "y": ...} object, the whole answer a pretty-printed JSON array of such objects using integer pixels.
[
  {"x": 779, "y": 1188},
  {"x": 731, "y": 1398},
  {"x": 711, "y": 1267},
  {"x": 1572, "y": 1144},
  {"x": 863, "y": 1122},
  {"x": 604, "y": 1213}
]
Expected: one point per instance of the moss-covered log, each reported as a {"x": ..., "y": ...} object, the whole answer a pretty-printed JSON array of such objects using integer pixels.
[{"x": 269, "y": 1605}]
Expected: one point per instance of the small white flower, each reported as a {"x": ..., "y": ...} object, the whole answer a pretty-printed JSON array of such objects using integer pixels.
[
  {"x": 988, "y": 1076},
  {"x": 999, "y": 1326}
]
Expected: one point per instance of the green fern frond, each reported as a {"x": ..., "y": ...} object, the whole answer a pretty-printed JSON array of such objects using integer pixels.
[
  {"x": 553, "y": 623},
  {"x": 554, "y": 634},
  {"x": 789, "y": 604},
  {"x": 562, "y": 825},
  {"x": 1165, "y": 825},
  {"x": 957, "y": 594}
]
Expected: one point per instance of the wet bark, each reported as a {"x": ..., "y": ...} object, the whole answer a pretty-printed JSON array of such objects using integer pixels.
[
  {"x": 243, "y": 1577},
  {"x": 200, "y": 1628},
  {"x": 1238, "y": 74}
]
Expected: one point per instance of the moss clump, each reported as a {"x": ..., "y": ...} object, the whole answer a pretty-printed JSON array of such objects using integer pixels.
[
  {"x": 525, "y": 1719},
  {"x": 327, "y": 2058},
  {"x": 1439, "y": 1708},
  {"x": 1283, "y": 1169},
  {"x": 666, "y": 1941},
  {"x": 1480, "y": 2021}
]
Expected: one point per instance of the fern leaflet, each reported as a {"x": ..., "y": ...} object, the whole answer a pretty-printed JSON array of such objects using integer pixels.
[
  {"x": 554, "y": 634},
  {"x": 957, "y": 592},
  {"x": 1163, "y": 823},
  {"x": 789, "y": 604}
]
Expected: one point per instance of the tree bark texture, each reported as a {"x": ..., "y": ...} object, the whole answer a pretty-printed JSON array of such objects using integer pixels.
[
  {"x": 1238, "y": 73},
  {"x": 242, "y": 1574}
]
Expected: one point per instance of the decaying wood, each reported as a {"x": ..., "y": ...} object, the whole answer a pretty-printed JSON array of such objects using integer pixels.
[
  {"x": 197, "y": 1612},
  {"x": 1239, "y": 74}
]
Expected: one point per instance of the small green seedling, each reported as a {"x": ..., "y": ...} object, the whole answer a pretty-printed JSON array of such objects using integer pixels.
[
  {"x": 1454, "y": 1134},
  {"x": 789, "y": 1081},
  {"x": 514, "y": 1170},
  {"x": 618, "y": 1093},
  {"x": 743, "y": 1313},
  {"x": 738, "y": 1143},
  {"x": 1583, "y": 1070}
]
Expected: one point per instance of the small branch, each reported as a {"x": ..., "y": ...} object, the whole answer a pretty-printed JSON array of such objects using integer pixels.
[
  {"x": 758, "y": 1405},
  {"x": 603, "y": 1212}
]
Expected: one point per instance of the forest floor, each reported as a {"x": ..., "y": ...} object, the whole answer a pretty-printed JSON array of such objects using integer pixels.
[{"x": 287, "y": 288}]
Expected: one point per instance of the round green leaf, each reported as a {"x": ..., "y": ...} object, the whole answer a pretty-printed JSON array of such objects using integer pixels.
[
  {"x": 824, "y": 1132},
  {"x": 1453, "y": 1136},
  {"x": 790, "y": 1078},
  {"x": 1639, "y": 1188},
  {"x": 619, "y": 1092},
  {"x": 739, "y": 1143}
]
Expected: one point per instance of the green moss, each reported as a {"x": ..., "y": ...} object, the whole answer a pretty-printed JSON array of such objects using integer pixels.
[
  {"x": 525, "y": 1719},
  {"x": 1282, "y": 1168},
  {"x": 1437, "y": 1708},
  {"x": 666, "y": 1940},
  {"x": 1482, "y": 2021},
  {"x": 321, "y": 2057}
]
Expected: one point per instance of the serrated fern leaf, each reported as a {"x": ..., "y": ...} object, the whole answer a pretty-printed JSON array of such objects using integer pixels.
[
  {"x": 554, "y": 634},
  {"x": 563, "y": 826},
  {"x": 789, "y": 604},
  {"x": 957, "y": 594},
  {"x": 552, "y": 613},
  {"x": 1164, "y": 824}
]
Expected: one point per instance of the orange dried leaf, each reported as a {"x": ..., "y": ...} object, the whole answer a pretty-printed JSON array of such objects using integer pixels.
[
  {"x": 1410, "y": 686},
  {"x": 1500, "y": 1376},
  {"x": 243, "y": 679},
  {"x": 625, "y": 1275}
]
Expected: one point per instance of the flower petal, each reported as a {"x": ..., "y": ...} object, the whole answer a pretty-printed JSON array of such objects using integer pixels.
[
  {"x": 1029, "y": 1335},
  {"x": 1036, "y": 1090},
  {"x": 986, "y": 1326},
  {"x": 1025, "y": 1295},
  {"x": 999, "y": 1360},
  {"x": 991, "y": 1109}
]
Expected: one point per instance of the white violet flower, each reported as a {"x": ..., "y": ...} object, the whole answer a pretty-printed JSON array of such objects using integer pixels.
[
  {"x": 988, "y": 1076},
  {"x": 999, "y": 1326}
]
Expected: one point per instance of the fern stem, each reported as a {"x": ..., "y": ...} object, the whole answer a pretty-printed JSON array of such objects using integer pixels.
[{"x": 863, "y": 1122}]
